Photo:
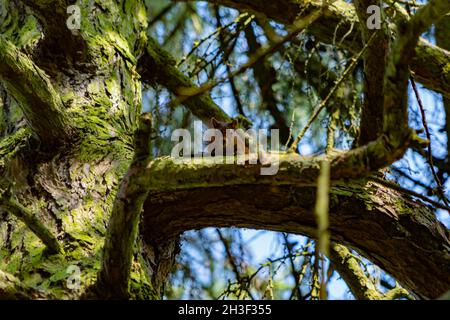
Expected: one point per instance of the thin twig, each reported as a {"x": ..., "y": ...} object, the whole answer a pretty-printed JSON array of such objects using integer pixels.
[
  {"x": 427, "y": 131},
  {"x": 161, "y": 14},
  {"x": 226, "y": 58},
  {"x": 322, "y": 105},
  {"x": 186, "y": 93},
  {"x": 198, "y": 43},
  {"x": 294, "y": 271},
  {"x": 408, "y": 177}
]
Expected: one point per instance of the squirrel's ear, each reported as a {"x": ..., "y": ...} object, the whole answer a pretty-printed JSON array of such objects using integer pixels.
[
  {"x": 234, "y": 124},
  {"x": 215, "y": 124}
]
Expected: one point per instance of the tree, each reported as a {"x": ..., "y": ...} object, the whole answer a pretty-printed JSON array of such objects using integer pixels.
[{"x": 90, "y": 208}]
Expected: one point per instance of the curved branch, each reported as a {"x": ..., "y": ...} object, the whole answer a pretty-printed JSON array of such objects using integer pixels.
[
  {"x": 390, "y": 229},
  {"x": 41, "y": 104},
  {"x": 397, "y": 73},
  {"x": 359, "y": 283}
]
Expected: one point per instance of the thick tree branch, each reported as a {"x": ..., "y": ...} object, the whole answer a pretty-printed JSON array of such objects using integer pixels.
[
  {"x": 430, "y": 65},
  {"x": 397, "y": 74},
  {"x": 114, "y": 276},
  {"x": 303, "y": 173},
  {"x": 30, "y": 86},
  {"x": 375, "y": 59},
  {"x": 445, "y": 296},
  {"x": 392, "y": 230}
]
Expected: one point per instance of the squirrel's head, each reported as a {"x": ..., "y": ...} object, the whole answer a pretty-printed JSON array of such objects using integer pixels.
[{"x": 223, "y": 125}]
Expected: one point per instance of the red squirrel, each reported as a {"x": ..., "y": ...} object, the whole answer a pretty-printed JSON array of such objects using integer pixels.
[{"x": 237, "y": 140}]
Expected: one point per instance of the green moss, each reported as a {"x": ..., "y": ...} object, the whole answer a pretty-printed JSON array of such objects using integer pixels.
[
  {"x": 32, "y": 280},
  {"x": 33, "y": 245},
  {"x": 14, "y": 263},
  {"x": 11, "y": 144},
  {"x": 104, "y": 110},
  {"x": 29, "y": 35}
]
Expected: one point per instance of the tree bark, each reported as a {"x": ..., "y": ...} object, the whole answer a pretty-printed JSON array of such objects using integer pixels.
[
  {"x": 399, "y": 234},
  {"x": 89, "y": 77}
]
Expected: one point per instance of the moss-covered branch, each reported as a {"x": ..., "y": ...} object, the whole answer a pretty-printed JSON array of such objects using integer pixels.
[
  {"x": 349, "y": 269},
  {"x": 39, "y": 101},
  {"x": 10, "y": 147},
  {"x": 32, "y": 222},
  {"x": 396, "y": 293},
  {"x": 445, "y": 296},
  {"x": 397, "y": 75},
  {"x": 158, "y": 66},
  {"x": 114, "y": 276},
  {"x": 392, "y": 230},
  {"x": 359, "y": 283},
  {"x": 397, "y": 136}
]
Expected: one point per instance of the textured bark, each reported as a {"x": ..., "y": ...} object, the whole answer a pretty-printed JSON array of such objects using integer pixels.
[
  {"x": 114, "y": 277},
  {"x": 12, "y": 289},
  {"x": 399, "y": 234},
  {"x": 32, "y": 222},
  {"x": 72, "y": 189}
]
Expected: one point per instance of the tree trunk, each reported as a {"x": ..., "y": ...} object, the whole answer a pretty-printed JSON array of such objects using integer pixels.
[{"x": 72, "y": 189}]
